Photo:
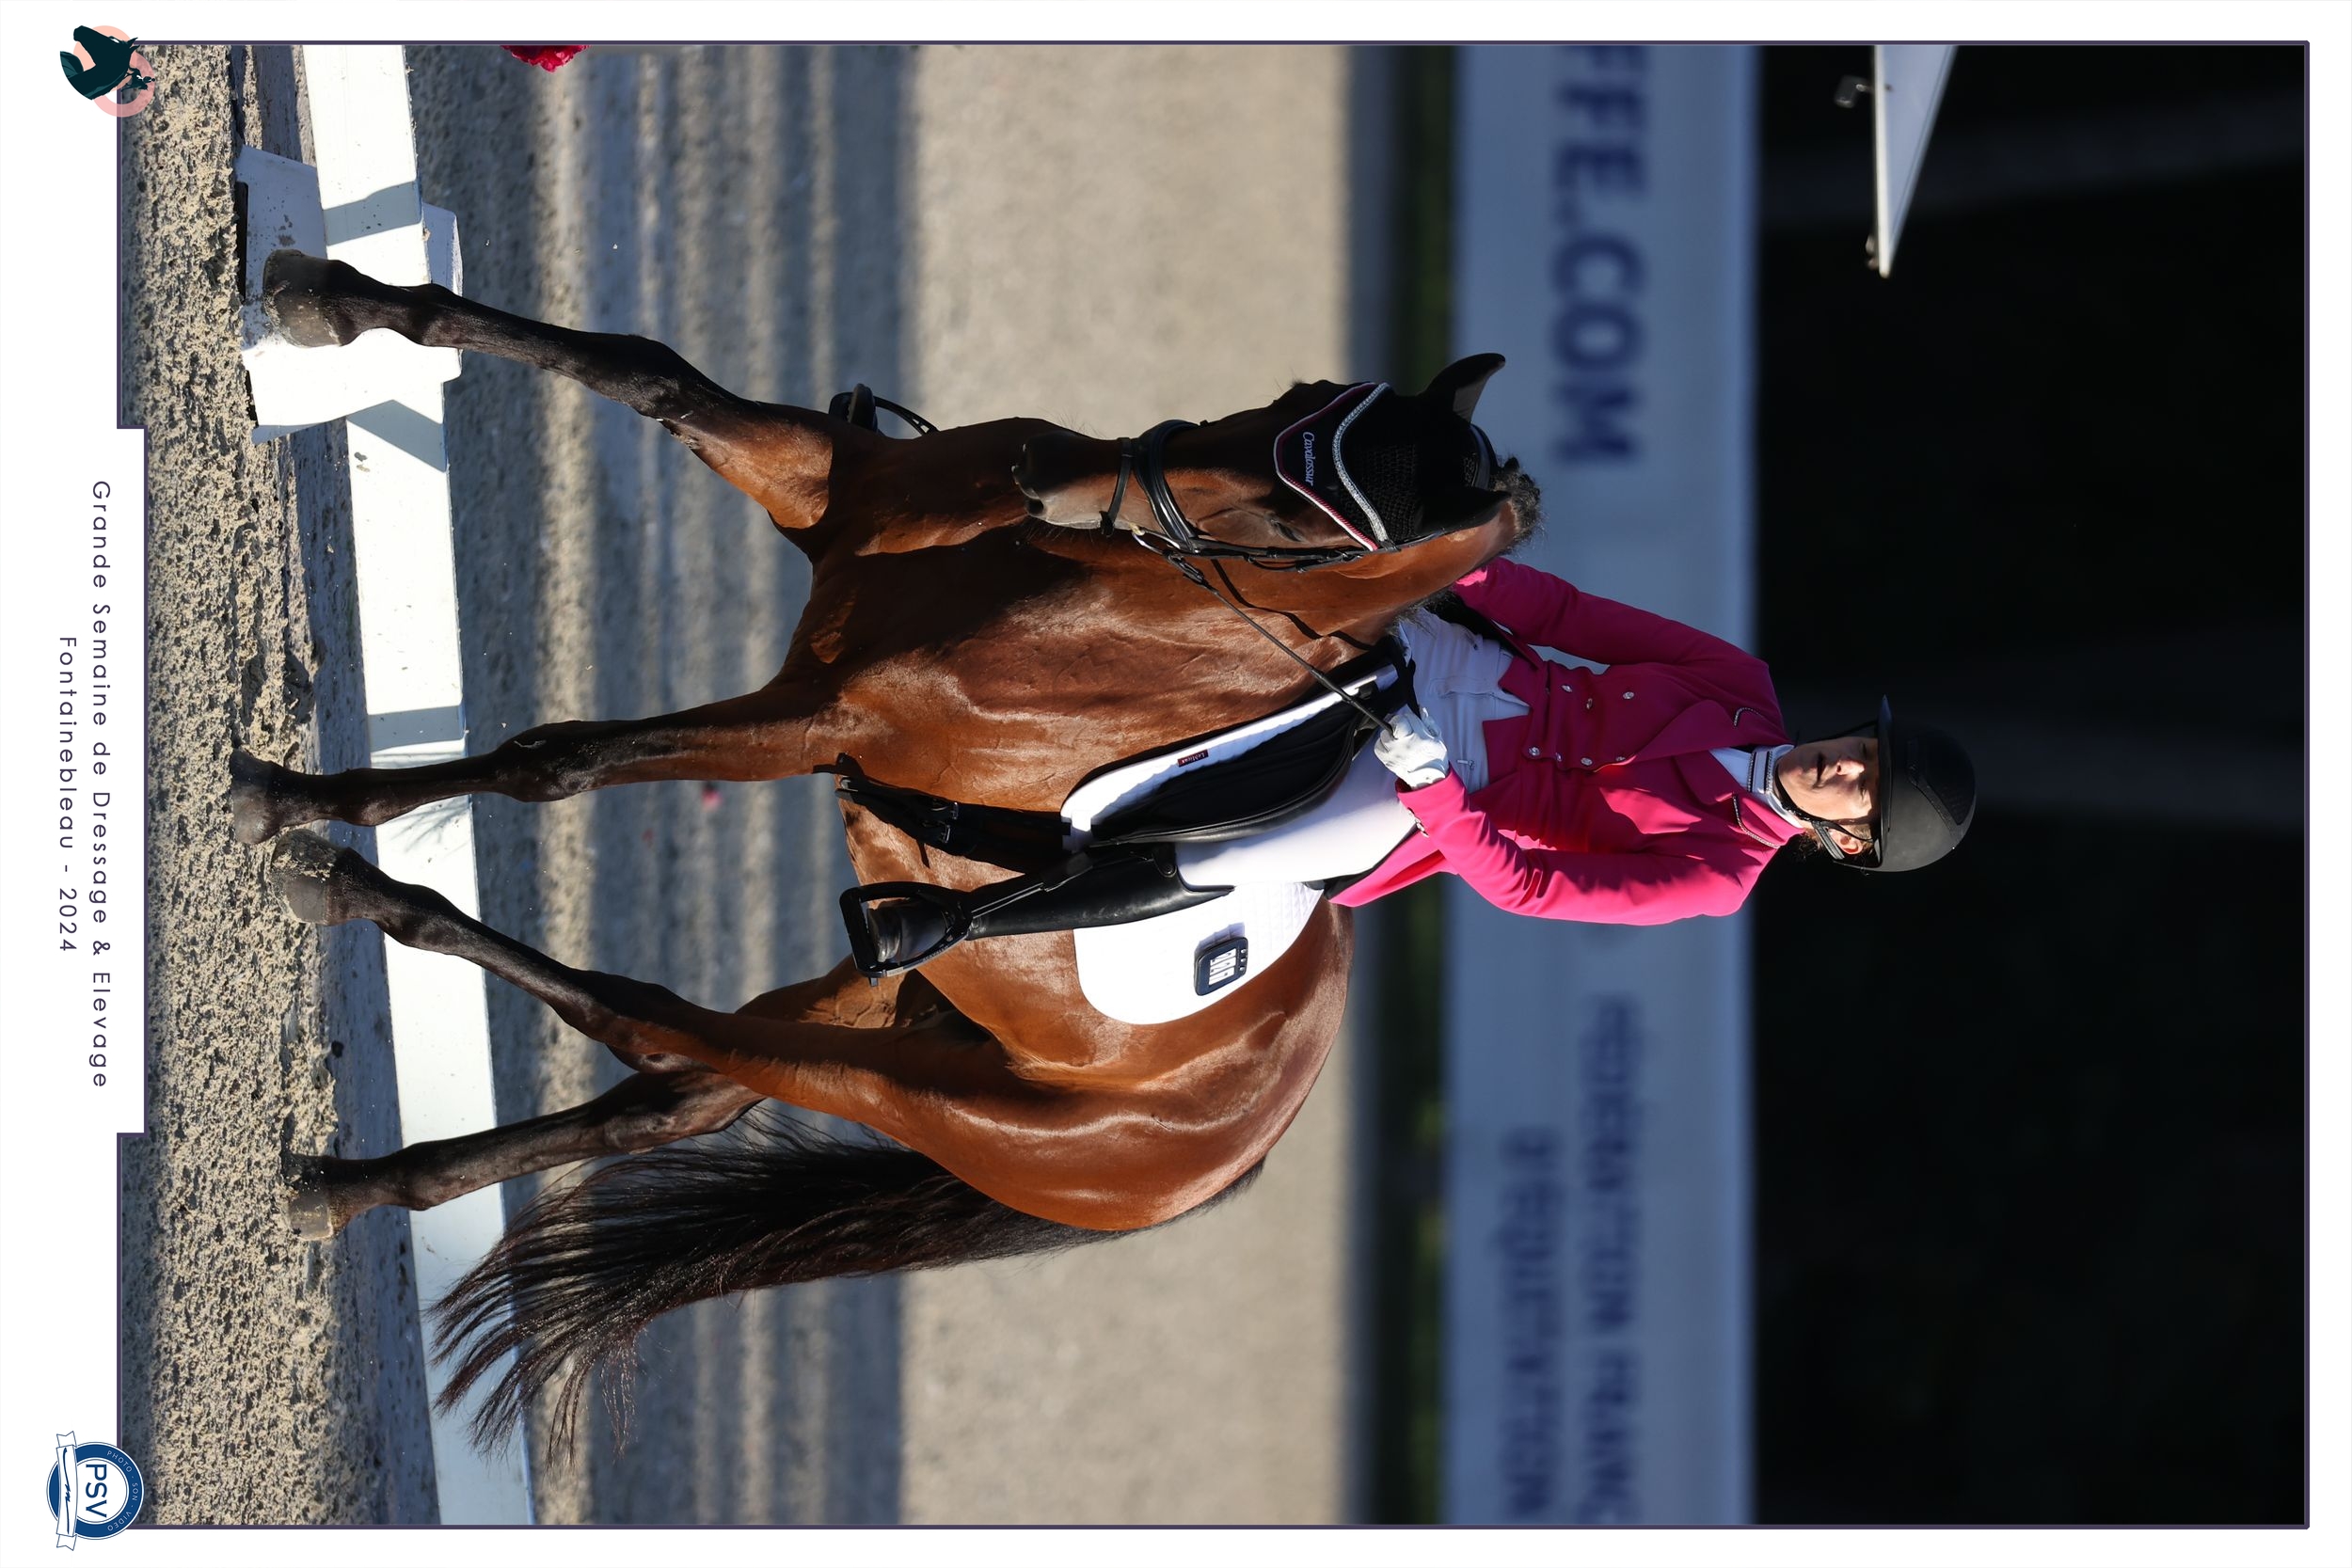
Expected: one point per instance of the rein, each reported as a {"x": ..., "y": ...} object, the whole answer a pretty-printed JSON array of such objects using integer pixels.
[{"x": 1145, "y": 456}]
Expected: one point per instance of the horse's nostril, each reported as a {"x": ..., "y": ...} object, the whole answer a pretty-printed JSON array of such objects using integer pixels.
[{"x": 1024, "y": 476}]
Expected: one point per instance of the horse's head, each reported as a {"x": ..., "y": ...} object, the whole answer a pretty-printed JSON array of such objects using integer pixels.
[{"x": 1325, "y": 473}]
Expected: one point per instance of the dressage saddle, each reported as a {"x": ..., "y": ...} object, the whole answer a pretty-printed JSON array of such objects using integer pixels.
[{"x": 1125, "y": 870}]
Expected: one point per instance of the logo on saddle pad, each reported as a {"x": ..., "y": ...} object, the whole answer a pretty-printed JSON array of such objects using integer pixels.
[
  {"x": 1310, "y": 456},
  {"x": 1220, "y": 961}
]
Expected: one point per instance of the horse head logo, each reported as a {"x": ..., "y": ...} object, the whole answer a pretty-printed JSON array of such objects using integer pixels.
[{"x": 104, "y": 63}]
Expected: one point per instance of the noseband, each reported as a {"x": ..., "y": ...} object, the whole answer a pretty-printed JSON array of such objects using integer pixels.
[{"x": 1144, "y": 459}]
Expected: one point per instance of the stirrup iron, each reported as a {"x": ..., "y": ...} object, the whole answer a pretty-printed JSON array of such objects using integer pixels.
[
  {"x": 866, "y": 947},
  {"x": 961, "y": 909}
]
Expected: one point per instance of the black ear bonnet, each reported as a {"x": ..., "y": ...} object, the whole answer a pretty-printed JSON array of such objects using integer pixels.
[{"x": 1392, "y": 469}]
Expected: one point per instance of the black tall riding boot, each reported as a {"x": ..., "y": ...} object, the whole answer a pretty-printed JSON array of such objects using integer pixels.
[{"x": 905, "y": 924}]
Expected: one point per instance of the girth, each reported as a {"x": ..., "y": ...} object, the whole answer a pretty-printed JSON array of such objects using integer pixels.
[{"x": 996, "y": 834}]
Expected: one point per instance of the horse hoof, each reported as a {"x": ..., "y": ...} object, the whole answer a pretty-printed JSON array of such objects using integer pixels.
[
  {"x": 310, "y": 1211},
  {"x": 256, "y": 792},
  {"x": 300, "y": 292},
  {"x": 312, "y": 876}
]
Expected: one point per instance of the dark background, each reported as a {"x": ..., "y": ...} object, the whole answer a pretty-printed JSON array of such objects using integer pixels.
[{"x": 2030, "y": 1127}]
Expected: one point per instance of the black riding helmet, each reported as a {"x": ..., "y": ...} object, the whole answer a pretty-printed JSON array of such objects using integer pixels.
[{"x": 1927, "y": 794}]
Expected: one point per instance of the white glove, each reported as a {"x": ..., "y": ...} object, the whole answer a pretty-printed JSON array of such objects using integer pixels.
[{"x": 1410, "y": 748}]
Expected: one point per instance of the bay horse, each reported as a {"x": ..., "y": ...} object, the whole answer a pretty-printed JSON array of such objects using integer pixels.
[{"x": 981, "y": 627}]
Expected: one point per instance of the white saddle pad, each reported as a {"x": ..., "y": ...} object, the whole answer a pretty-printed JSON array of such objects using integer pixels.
[
  {"x": 1152, "y": 970},
  {"x": 1172, "y": 965}
]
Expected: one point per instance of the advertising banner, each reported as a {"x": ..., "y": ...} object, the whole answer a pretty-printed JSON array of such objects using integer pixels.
[{"x": 1598, "y": 1171}]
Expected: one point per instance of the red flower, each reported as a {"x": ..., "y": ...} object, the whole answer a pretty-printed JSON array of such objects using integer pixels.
[{"x": 546, "y": 57}]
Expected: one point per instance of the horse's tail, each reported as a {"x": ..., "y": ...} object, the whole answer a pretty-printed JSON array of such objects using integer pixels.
[{"x": 583, "y": 1270}]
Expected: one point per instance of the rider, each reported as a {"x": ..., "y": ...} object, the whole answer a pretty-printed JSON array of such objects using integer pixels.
[
  {"x": 1655, "y": 790},
  {"x": 1648, "y": 778}
]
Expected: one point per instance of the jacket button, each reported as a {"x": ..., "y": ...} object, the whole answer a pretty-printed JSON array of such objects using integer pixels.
[
  {"x": 1586, "y": 761},
  {"x": 1588, "y": 702},
  {"x": 1567, "y": 688},
  {"x": 1534, "y": 751},
  {"x": 1628, "y": 696},
  {"x": 1621, "y": 759}
]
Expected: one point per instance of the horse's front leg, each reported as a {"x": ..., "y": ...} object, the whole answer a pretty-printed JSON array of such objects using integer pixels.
[
  {"x": 780, "y": 732},
  {"x": 644, "y": 1110},
  {"x": 779, "y": 455}
]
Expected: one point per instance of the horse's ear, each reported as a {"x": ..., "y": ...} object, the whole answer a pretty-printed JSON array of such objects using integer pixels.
[
  {"x": 1460, "y": 383},
  {"x": 1461, "y": 506}
]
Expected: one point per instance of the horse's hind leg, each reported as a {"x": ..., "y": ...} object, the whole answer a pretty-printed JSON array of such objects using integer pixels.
[
  {"x": 780, "y": 456},
  {"x": 666, "y": 1098},
  {"x": 644, "y": 1110},
  {"x": 926, "y": 1075}
]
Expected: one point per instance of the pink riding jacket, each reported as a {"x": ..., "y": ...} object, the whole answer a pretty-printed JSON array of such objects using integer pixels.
[{"x": 1605, "y": 801}]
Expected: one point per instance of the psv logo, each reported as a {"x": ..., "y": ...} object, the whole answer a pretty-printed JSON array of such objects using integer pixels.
[{"x": 94, "y": 1489}]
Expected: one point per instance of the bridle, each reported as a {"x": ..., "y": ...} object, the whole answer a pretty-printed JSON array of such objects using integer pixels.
[{"x": 1144, "y": 459}]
